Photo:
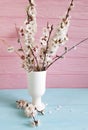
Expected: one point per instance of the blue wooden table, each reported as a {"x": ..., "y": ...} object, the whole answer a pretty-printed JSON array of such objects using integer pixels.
[{"x": 66, "y": 109}]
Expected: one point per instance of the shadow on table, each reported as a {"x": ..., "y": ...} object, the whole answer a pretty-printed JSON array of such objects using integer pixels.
[{"x": 7, "y": 99}]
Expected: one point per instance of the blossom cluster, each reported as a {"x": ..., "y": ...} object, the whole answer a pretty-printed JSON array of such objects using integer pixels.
[
  {"x": 40, "y": 57},
  {"x": 30, "y": 110}
]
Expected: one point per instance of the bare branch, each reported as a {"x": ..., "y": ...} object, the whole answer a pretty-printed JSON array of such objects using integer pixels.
[
  {"x": 58, "y": 57},
  {"x": 69, "y": 9},
  {"x": 30, "y": 2}
]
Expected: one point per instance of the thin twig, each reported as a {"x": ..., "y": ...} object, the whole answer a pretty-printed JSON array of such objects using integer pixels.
[
  {"x": 58, "y": 57},
  {"x": 10, "y": 46},
  {"x": 69, "y": 9},
  {"x": 29, "y": 17},
  {"x": 30, "y": 2},
  {"x": 33, "y": 118},
  {"x": 35, "y": 121}
]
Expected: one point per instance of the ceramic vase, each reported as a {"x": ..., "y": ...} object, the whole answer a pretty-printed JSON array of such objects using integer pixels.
[{"x": 37, "y": 87}]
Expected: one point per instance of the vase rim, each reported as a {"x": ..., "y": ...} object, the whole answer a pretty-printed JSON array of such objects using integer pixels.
[{"x": 39, "y": 71}]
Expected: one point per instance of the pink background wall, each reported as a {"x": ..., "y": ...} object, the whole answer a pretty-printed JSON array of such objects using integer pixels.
[{"x": 70, "y": 72}]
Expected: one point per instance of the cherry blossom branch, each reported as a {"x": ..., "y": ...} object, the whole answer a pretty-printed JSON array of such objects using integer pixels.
[
  {"x": 10, "y": 48},
  {"x": 19, "y": 40},
  {"x": 34, "y": 57},
  {"x": 69, "y": 9},
  {"x": 60, "y": 36},
  {"x": 66, "y": 51},
  {"x": 47, "y": 45},
  {"x": 29, "y": 17},
  {"x": 30, "y": 2}
]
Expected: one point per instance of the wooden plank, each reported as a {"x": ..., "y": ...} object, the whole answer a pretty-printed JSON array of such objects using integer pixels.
[
  {"x": 53, "y": 81},
  {"x": 68, "y": 81},
  {"x": 64, "y": 66},
  {"x": 81, "y": 51},
  {"x": 12, "y": 81}
]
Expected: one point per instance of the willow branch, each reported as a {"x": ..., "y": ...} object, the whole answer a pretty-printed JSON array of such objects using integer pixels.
[{"x": 58, "y": 57}]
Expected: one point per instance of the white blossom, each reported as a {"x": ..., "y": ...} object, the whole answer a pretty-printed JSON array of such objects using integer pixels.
[
  {"x": 30, "y": 111},
  {"x": 43, "y": 41},
  {"x": 11, "y": 49},
  {"x": 45, "y": 32},
  {"x": 32, "y": 11},
  {"x": 32, "y": 1},
  {"x": 59, "y": 38}
]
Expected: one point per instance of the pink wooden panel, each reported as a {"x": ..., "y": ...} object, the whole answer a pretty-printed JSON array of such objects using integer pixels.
[
  {"x": 72, "y": 71},
  {"x": 57, "y": 81},
  {"x": 66, "y": 66}
]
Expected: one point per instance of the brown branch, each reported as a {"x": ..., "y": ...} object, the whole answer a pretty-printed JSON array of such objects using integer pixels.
[
  {"x": 69, "y": 9},
  {"x": 30, "y": 2},
  {"x": 19, "y": 41},
  {"x": 58, "y": 57},
  {"x": 47, "y": 45},
  {"x": 34, "y": 58},
  {"x": 29, "y": 17}
]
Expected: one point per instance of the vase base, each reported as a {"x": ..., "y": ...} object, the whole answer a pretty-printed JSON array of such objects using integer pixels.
[{"x": 40, "y": 107}]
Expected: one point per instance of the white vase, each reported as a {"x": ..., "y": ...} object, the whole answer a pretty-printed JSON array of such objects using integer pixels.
[{"x": 37, "y": 87}]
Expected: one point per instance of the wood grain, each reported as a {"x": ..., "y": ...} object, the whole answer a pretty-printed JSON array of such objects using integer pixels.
[
  {"x": 67, "y": 109},
  {"x": 72, "y": 71}
]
